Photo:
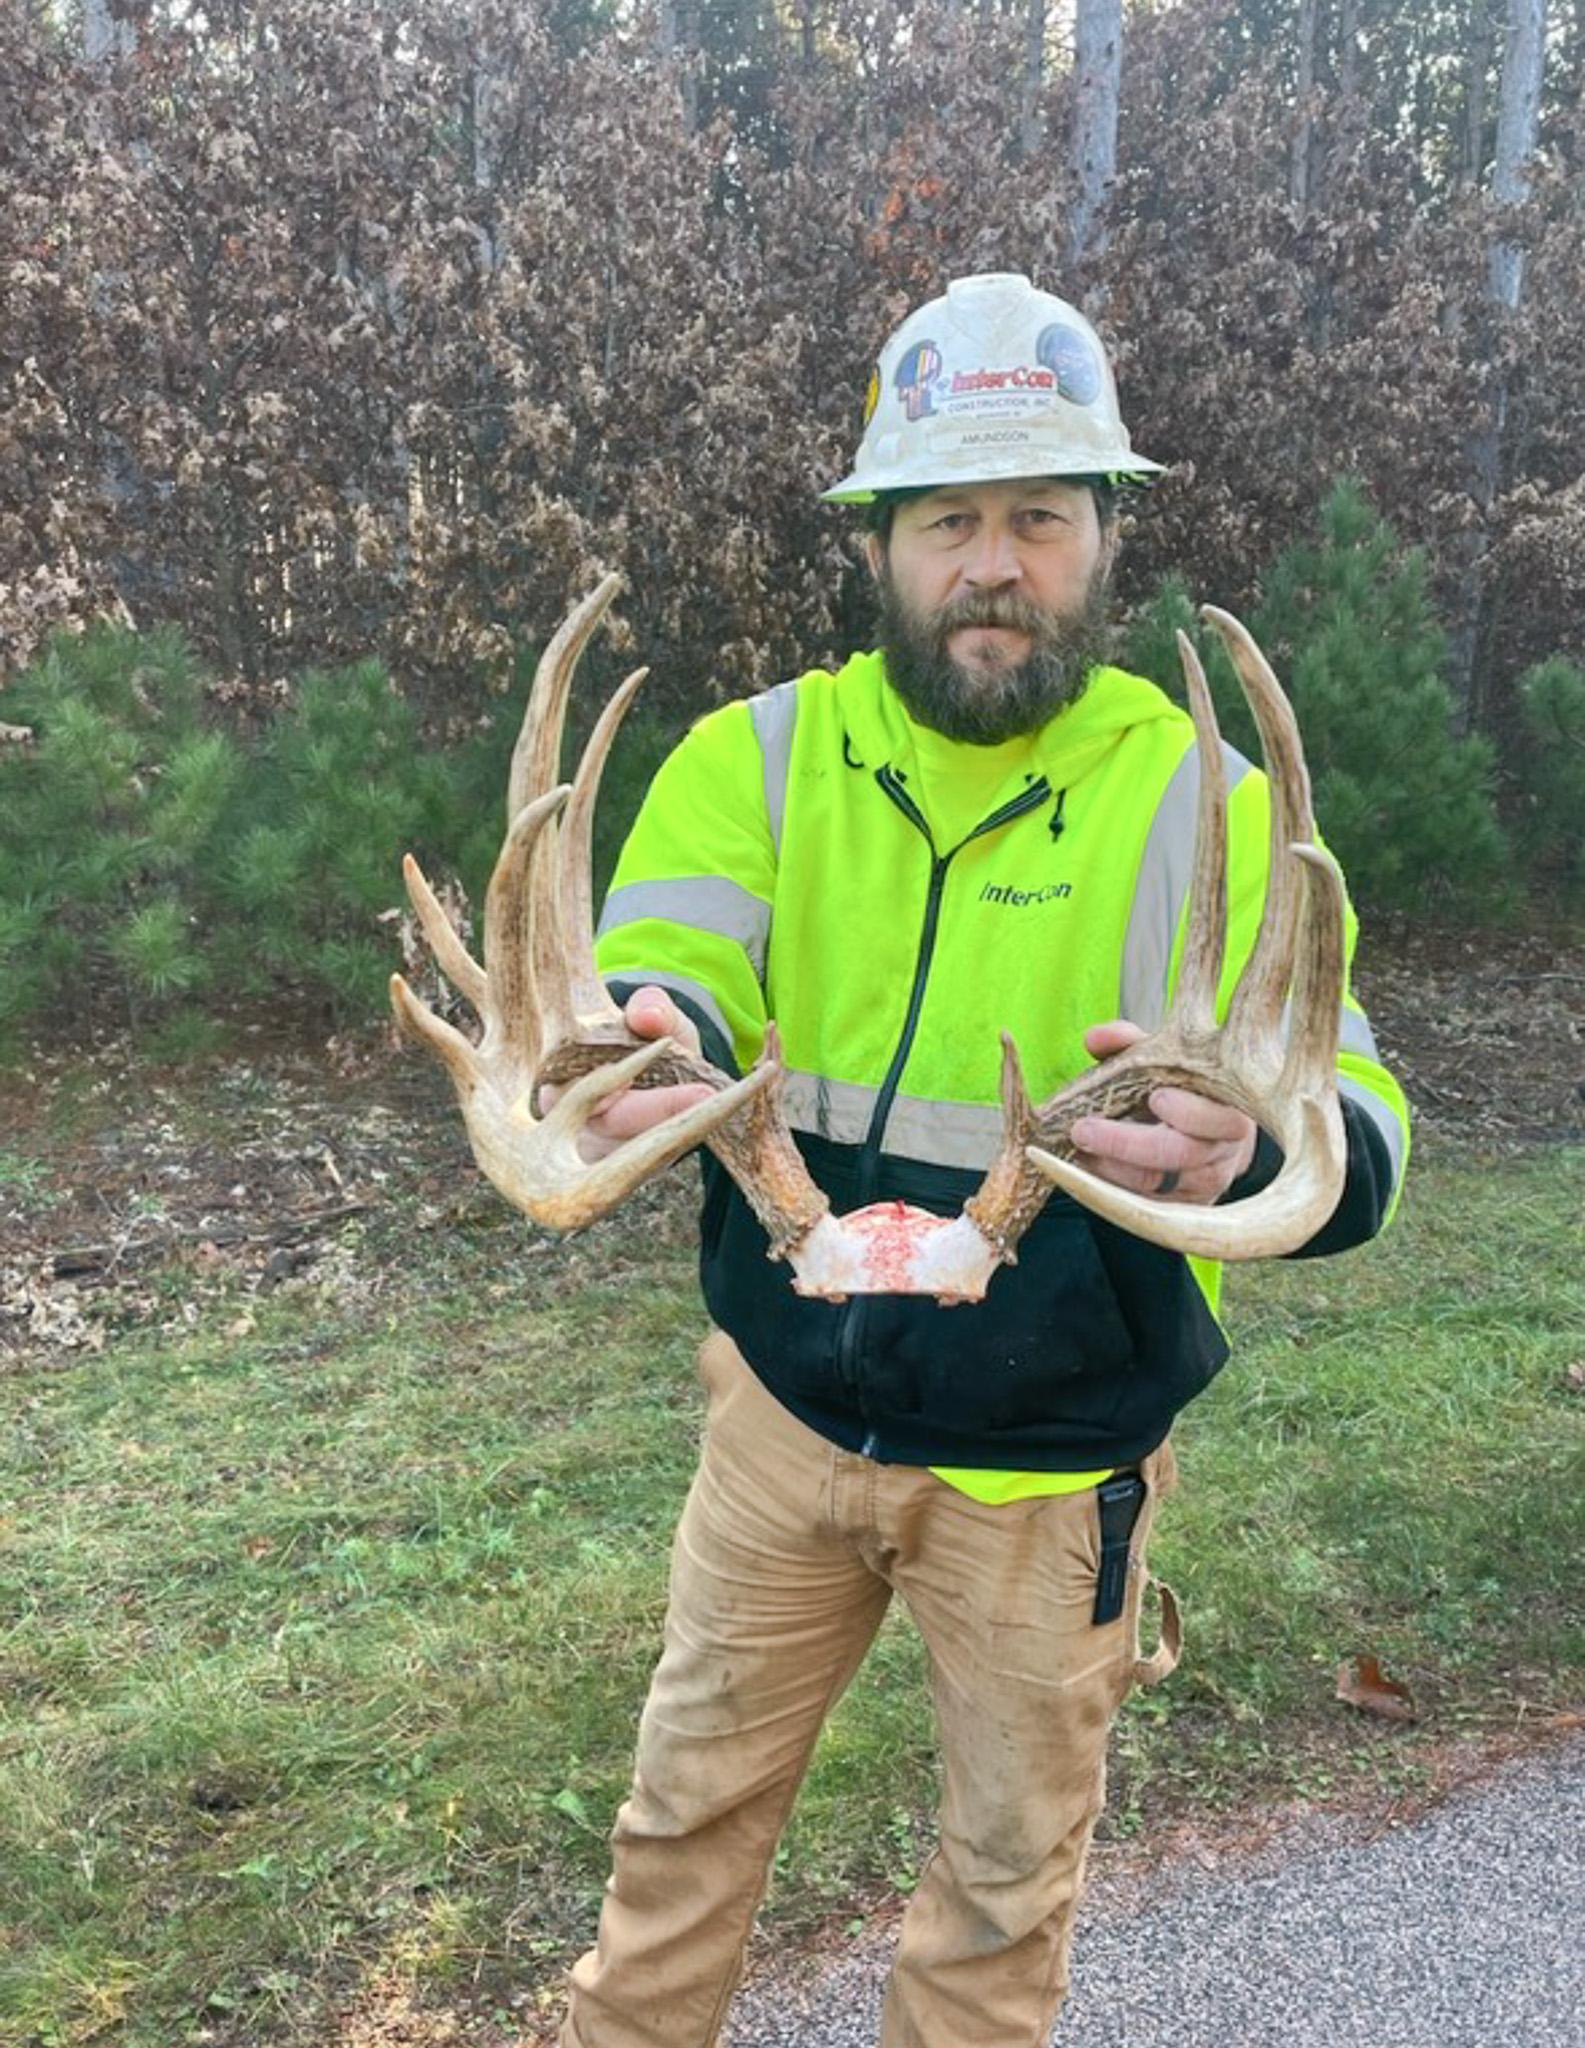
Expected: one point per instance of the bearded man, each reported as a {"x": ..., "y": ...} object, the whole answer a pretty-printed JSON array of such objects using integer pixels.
[{"x": 979, "y": 828}]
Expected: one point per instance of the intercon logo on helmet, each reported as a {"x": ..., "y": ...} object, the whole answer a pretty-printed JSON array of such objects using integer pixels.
[{"x": 993, "y": 380}]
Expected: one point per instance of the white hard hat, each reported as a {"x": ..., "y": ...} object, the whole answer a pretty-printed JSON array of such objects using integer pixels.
[{"x": 994, "y": 380}]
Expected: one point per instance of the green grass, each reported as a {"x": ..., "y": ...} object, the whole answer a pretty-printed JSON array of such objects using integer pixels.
[{"x": 326, "y": 1627}]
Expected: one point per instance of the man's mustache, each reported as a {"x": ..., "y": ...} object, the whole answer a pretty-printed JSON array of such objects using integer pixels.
[{"x": 989, "y": 608}]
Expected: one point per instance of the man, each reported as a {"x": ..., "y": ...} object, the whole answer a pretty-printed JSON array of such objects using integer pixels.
[{"x": 981, "y": 827}]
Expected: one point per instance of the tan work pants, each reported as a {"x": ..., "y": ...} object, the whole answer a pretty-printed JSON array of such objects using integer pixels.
[{"x": 786, "y": 1556}]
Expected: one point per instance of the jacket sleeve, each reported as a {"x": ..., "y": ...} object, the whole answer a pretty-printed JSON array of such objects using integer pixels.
[{"x": 689, "y": 907}]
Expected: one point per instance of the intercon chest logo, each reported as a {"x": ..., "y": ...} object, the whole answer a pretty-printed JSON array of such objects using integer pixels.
[{"x": 1009, "y": 897}]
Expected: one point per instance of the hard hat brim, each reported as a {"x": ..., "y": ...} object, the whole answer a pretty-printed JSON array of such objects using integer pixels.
[{"x": 859, "y": 489}]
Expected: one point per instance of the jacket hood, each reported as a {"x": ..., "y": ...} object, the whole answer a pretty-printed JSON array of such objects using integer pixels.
[{"x": 1065, "y": 750}]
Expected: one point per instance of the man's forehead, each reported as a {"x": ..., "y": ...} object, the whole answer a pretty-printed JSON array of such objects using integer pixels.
[{"x": 1026, "y": 489}]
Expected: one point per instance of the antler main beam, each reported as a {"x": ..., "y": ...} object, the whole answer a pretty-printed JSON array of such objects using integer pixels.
[{"x": 549, "y": 1024}]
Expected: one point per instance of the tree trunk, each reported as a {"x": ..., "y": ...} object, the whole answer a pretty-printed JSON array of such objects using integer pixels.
[
  {"x": 1518, "y": 120},
  {"x": 675, "y": 32},
  {"x": 1477, "y": 75},
  {"x": 1301, "y": 158},
  {"x": 1097, "y": 80},
  {"x": 1031, "y": 120},
  {"x": 1348, "y": 52}
]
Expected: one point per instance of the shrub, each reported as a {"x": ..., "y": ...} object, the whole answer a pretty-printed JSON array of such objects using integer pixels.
[
  {"x": 341, "y": 788},
  {"x": 108, "y": 822},
  {"x": 1552, "y": 698},
  {"x": 146, "y": 859},
  {"x": 1148, "y": 645}
]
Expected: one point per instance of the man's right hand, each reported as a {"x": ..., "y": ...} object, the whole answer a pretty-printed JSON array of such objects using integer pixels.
[{"x": 648, "y": 1013}]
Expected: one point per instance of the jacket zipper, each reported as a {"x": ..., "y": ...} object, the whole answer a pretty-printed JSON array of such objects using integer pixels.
[{"x": 854, "y": 1312}]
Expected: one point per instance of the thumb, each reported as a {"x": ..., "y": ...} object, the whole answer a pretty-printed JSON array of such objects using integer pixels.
[
  {"x": 1102, "y": 1040},
  {"x": 651, "y": 1013}
]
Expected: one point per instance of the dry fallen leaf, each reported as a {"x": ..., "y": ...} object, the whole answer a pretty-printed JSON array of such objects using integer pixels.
[
  {"x": 1361, "y": 1683},
  {"x": 1574, "y": 1377}
]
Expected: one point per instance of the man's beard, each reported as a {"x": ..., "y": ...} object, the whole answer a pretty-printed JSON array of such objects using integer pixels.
[{"x": 986, "y": 705}]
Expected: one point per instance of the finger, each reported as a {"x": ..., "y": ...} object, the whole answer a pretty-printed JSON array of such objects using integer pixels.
[
  {"x": 1149, "y": 1149},
  {"x": 1102, "y": 1040},
  {"x": 651, "y": 1013},
  {"x": 1129, "y": 1177},
  {"x": 640, "y": 1109},
  {"x": 1199, "y": 1116}
]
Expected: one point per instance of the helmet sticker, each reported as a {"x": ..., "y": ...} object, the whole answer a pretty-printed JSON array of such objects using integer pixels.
[
  {"x": 915, "y": 374},
  {"x": 872, "y": 396},
  {"x": 1077, "y": 367}
]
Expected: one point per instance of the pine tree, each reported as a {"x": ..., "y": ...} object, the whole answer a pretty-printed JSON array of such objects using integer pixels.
[
  {"x": 1404, "y": 802},
  {"x": 342, "y": 787},
  {"x": 1552, "y": 695},
  {"x": 108, "y": 826}
]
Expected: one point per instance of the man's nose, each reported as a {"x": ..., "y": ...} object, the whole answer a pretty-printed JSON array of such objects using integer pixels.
[{"x": 993, "y": 560}]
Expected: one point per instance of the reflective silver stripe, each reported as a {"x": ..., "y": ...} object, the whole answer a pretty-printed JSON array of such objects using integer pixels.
[
  {"x": 1357, "y": 1036},
  {"x": 965, "y": 1134},
  {"x": 1380, "y": 1115},
  {"x": 705, "y": 903},
  {"x": 775, "y": 715},
  {"x": 678, "y": 985},
  {"x": 1359, "y": 1040},
  {"x": 1165, "y": 871}
]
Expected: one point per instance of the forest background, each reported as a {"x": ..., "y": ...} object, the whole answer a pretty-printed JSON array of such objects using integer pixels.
[{"x": 341, "y": 336}]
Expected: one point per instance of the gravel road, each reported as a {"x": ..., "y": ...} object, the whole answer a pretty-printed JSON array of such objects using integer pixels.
[{"x": 1461, "y": 1928}]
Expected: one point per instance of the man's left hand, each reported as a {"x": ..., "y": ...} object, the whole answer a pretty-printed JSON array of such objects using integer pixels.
[{"x": 1194, "y": 1151}]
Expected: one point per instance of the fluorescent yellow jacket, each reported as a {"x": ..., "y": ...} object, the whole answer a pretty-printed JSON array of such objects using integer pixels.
[{"x": 786, "y": 864}]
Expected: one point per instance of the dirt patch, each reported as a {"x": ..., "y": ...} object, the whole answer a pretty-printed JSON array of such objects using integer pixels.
[
  {"x": 137, "y": 1196},
  {"x": 1486, "y": 1031},
  {"x": 133, "y": 1197}
]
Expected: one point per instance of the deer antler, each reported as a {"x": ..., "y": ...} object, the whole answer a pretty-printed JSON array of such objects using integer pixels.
[
  {"x": 548, "y": 1020},
  {"x": 1288, "y": 1088},
  {"x": 538, "y": 993}
]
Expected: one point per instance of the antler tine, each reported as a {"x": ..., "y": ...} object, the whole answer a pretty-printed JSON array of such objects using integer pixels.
[
  {"x": 451, "y": 955},
  {"x": 555, "y": 911},
  {"x": 1257, "y": 1002},
  {"x": 419, "y": 1021},
  {"x": 525, "y": 1003},
  {"x": 587, "y": 993},
  {"x": 536, "y": 759},
  {"x": 1310, "y": 1062},
  {"x": 1205, "y": 941},
  {"x": 1277, "y": 1220}
]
